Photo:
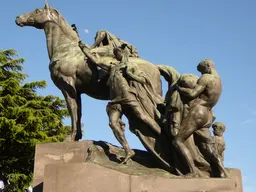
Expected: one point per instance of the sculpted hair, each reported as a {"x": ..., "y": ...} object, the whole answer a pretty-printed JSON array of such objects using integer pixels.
[
  {"x": 219, "y": 127},
  {"x": 206, "y": 63}
]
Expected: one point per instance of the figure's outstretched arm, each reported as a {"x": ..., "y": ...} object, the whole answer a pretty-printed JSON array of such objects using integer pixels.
[{"x": 193, "y": 93}]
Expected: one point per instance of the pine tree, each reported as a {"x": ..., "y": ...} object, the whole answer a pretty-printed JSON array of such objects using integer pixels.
[{"x": 26, "y": 119}]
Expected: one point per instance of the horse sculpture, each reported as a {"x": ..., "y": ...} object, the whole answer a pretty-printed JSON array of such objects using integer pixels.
[{"x": 69, "y": 69}]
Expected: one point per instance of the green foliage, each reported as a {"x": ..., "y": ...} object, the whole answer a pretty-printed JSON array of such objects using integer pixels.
[{"x": 26, "y": 119}]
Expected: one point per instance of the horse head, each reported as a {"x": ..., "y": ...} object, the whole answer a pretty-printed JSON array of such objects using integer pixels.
[{"x": 40, "y": 17}]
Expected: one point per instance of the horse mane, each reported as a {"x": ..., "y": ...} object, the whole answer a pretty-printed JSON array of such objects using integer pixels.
[{"x": 64, "y": 25}]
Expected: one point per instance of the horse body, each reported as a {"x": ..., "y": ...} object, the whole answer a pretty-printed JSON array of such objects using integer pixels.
[{"x": 70, "y": 71}]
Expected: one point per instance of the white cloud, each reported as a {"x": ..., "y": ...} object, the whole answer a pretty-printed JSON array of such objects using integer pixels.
[
  {"x": 86, "y": 31},
  {"x": 247, "y": 121}
]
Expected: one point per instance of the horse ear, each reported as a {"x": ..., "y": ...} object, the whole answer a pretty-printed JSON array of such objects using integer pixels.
[{"x": 46, "y": 5}]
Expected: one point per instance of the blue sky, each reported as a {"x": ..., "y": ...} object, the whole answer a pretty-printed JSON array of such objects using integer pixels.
[{"x": 176, "y": 33}]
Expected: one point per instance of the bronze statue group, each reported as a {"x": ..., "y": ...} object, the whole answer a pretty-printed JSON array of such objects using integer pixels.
[{"x": 174, "y": 129}]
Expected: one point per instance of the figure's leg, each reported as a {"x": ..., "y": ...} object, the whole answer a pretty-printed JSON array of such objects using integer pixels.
[
  {"x": 186, "y": 131},
  {"x": 74, "y": 107},
  {"x": 117, "y": 126},
  {"x": 210, "y": 151},
  {"x": 197, "y": 116},
  {"x": 175, "y": 122},
  {"x": 176, "y": 108}
]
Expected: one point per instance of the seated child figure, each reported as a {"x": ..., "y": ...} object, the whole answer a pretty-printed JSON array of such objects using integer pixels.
[{"x": 218, "y": 130}]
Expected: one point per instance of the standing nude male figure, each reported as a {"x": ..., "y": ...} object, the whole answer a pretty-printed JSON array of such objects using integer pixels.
[{"x": 199, "y": 119}]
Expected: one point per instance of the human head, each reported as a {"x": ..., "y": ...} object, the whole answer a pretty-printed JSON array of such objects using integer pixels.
[
  {"x": 205, "y": 66},
  {"x": 218, "y": 128}
]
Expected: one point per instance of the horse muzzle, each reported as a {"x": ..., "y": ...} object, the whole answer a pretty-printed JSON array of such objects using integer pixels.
[{"x": 19, "y": 21}]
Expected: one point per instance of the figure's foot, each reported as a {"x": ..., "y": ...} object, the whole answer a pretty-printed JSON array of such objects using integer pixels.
[{"x": 128, "y": 156}]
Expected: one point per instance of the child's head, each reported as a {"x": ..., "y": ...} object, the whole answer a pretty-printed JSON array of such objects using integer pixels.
[{"x": 218, "y": 128}]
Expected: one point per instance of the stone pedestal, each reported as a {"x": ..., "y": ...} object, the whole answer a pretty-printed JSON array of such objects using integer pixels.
[
  {"x": 81, "y": 177},
  {"x": 57, "y": 153},
  {"x": 93, "y": 167}
]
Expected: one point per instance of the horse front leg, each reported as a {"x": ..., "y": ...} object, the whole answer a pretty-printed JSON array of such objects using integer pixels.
[
  {"x": 79, "y": 116},
  {"x": 74, "y": 107}
]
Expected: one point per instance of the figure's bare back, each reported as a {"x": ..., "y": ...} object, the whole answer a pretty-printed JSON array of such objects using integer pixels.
[{"x": 213, "y": 89}]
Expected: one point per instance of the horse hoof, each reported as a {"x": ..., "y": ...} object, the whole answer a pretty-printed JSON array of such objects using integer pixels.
[
  {"x": 79, "y": 135},
  {"x": 77, "y": 138}
]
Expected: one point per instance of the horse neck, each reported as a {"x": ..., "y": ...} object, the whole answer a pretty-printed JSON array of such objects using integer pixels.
[{"x": 59, "y": 39}]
